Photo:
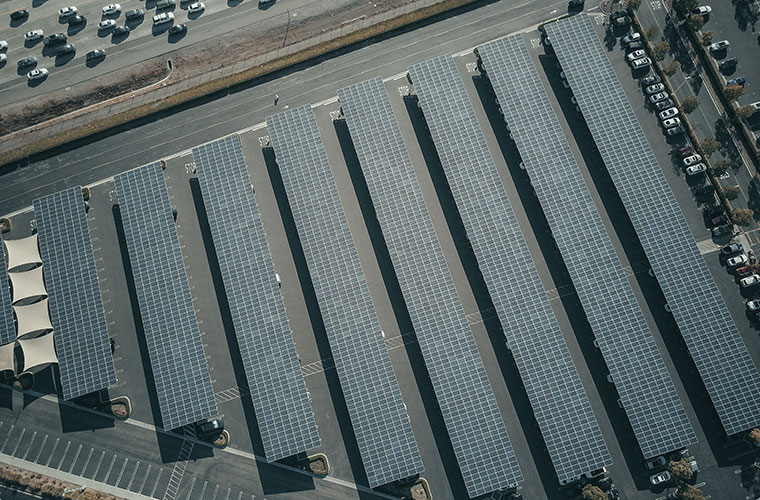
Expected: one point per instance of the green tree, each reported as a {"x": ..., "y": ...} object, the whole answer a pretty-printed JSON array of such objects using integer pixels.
[
  {"x": 661, "y": 50},
  {"x": 745, "y": 112},
  {"x": 689, "y": 103},
  {"x": 709, "y": 145},
  {"x": 689, "y": 492},
  {"x": 733, "y": 92},
  {"x": 731, "y": 192},
  {"x": 707, "y": 38},
  {"x": 684, "y": 7},
  {"x": 652, "y": 31},
  {"x": 696, "y": 22},
  {"x": 743, "y": 216},
  {"x": 721, "y": 167},
  {"x": 671, "y": 68},
  {"x": 754, "y": 435},
  {"x": 593, "y": 492},
  {"x": 680, "y": 469},
  {"x": 634, "y": 5}
]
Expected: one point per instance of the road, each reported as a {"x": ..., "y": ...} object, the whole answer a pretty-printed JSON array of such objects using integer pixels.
[
  {"x": 143, "y": 42},
  {"x": 176, "y": 130}
]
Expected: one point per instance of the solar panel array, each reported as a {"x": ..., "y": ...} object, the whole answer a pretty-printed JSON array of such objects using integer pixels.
[
  {"x": 76, "y": 306},
  {"x": 722, "y": 359},
  {"x": 649, "y": 397},
  {"x": 7, "y": 330},
  {"x": 467, "y": 401},
  {"x": 559, "y": 402},
  {"x": 267, "y": 349},
  {"x": 180, "y": 371},
  {"x": 378, "y": 414}
]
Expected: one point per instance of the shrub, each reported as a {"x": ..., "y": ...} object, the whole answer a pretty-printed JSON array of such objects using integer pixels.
[
  {"x": 593, "y": 492},
  {"x": 689, "y": 103},
  {"x": 652, "y": 31},
  {"x": 743, "y": 216},
  {"x": 681, "y": 469},
  {"x": 671, "y": 68},
  {"x": 733, "y": 92},
  {"x": 720, "y": 167},
  {"x": 745, "y": 112},
  {"x": 754, "y": 435},
  {"x": 684, "y": 7},
  {"x": 661, "y": 50},
  {"x": 707, "y": 38},
  {"x": 634, "y": 5},
  {"x": 689, "y": 492},
  {"x": 731, "y": 192},
  {"x": 709, "y": 145},
  {"x": 696, "y": 22}
]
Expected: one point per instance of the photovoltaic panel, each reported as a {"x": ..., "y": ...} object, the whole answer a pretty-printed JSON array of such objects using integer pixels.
[
  {"x": 715, "y": 345},
  {"x": 646, "y": 390},
  {"x": 559, "y": 402},
  {"x": 273, "y": 372},
  {"x": 7, "y": 330},
  {"x": 74, "y": 300},
  {"x": 378, "y": 414},
  {"x": 180, "y": 371},
  {"x": 467, "y": 401}
]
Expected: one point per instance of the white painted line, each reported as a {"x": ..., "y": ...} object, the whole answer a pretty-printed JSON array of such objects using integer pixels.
[
  {"x": 158, "y": 478},
  {"x": 121, "y": 472},
  {"x": 97, "y": 467},
  {"x": 87, "y": 462},
  {"x": 145, "y": 478},
  {"x": 63, "y": 456},
  {"x": 134, "y": 472},
  {"x": 31, "y": 443},
  {"x": 42, "y": 447},
  {"x": 21, "y": 438},
  {"x": 57, "y": 440},
  {"x": 192, "y": 485},
  {"x": 110, "y": 468},
  {"x": 216, "y": 490},
  {"x": 76, "y": 457}
]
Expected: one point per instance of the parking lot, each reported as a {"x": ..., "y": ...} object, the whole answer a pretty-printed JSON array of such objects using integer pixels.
[{"x": 164, "y": 465}]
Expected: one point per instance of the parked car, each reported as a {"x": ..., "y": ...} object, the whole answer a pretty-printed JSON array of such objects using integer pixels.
[
  {"x": 702, "y": 10},
  {"x": 164, "y": 4},
  {"x": 576, "y": 4},
  {"x": 67, "y": 11},
  {"x": 718, "y": 46},
  {"x": 719, "y": 221},
  {"x": 722, "y": 230},
  {"x": 662, "y": 477},
  {"x": 743, "y": 271},
  {"x": 737, "y": 81},
  {"x": 196, "y": 7},
  {"x": 3, "y": 45},
  {"x": 666, "y": 104},
  {"x": 631, "y": 37},
  {"x": 691, "y": 160},
  {"x": 177, "y": 29},
  {"x": 37, "y": 74},
  {"x": 19, "y": 14},
  {"x": 753, "y": 305},
  {"x": 26, "y": 61},
  {"x": 738, "y": 260},
  {"x": 635, "y": 46},
  {"x": 55, "y": 39},
  {"x": 686, "y": 150},
  {"x": 106, "y": 24},
  {"x": 728, "y": 64},
  {"x": 653, "y": 89},
  {"x": 95, "y": 54},
  {"x": 671, "y": 122},
  {"x": 166, "y": 17},
  {"x": 111, "y": 9},
  {"x": 699, "y": 168},
  {"x": 74, "y": 20},
  {"x": 33, "y": 35},
  {"x": 618, "y": 22},
  {"x": 134, "y": 14},
  {"x": 644, "y": 62},
  {"x": 732, "y": 248},
  {"x": 668, "y": 113},
  {"x": 121, "y": 31},
  {"x": 650, "y": 80},
  {"x": 65, "y": 49},
  {"x": 672, "y": 132},
  {"x": 749, "y": 281},
  {"x": 636, "y": 54},
  {"x": 660, "y": 96},
  {"x": 655, "y": 463},
  {"x": 3, "y": 59},
  {"x": 704, "y": 190},
  {"x": 211, "y": 427}
]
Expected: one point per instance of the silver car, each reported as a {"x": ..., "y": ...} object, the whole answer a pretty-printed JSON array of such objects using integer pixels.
[
  {"x": 653, "y": 89},
  {"x": 644, "y": 62},
  {"x": 668, "y": 113},
  {"x": 661, "y": 96},
  {"x": 636, "y": 54}
]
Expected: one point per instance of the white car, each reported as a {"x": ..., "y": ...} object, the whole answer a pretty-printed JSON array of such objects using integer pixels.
[
  {"x": 718, "y": 46},
  {"x": 749, "y": 281},
  {"x": 33, "y": 35},
  {"x": 67, "y": 11},
  {"x": 3, "y": 45},
  {"x": 668, "y": 113},
  {"x": 671, "y": 122},
  {"x": 737, "y": 261},
  {"x": 636, "y": 54},
  {"x": 107, "y": 24},
  {"x": 658, "y": 97},
  {"x": 653, "y": 89},
  {"x": 631, "y": 37},
  {"x": 196, "y": 7},
  {"x": 641, "y": 63},
  {"x": 691, "y": 160},
  {"x": 3, "y": 58},
  {"x": 697, "y": 169},
  {"x": 36, "y": 74},
  {"x": 662, "y": 477},
  {"x": 702, "y": 10},
  {"x": 166, "y": 17},
  {"x": 753, "y": 305},
  {"x": 111, "y": 9}
]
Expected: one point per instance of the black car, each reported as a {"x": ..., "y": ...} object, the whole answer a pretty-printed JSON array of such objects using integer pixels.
[
  {"x": 164, "y": 4},
  {"x": 65, "y": 49},
  {"x": 636, "y": 45},
  {"x": 618, "y": 14},
  {"x": 121, "y": 31},
  {"x": 177, "y": 29},
  {"x": 704, "y": 190},
  {"x": 55, "y": 39},
  {"x": 27, "y": 61},
  {"x": 728, "y": 64},
  {"x": 667, "y": 103},
  {"x": 77, "y": 20},
  {"x": 211, "y": 427},
  {"x": 619, "y": 22},
  {"x": 713, "y": 211},
  {"x": 19, "y": 14},
  {"x": 576, "y": 4},
  {"x": 134, "y": 14},
  {"x": 95, "y": 54}
]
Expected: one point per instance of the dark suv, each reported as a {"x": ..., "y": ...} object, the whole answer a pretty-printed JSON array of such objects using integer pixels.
[
  {"x": 209, "y": 428},
  {"x": 55, "y": 39}
]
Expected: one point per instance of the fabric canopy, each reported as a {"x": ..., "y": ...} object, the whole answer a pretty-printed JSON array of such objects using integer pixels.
[
  {"x": 38, "y": 351},
  {"x": 6, "y": 357},
  {"x": 22, "y": 252},
  {"x": 32, "y": 318},
  {"x": 27, "y": 284}
]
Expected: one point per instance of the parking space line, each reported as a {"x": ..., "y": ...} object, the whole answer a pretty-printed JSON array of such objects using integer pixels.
[
  {"x": 87, "y": 462},
  {"x": 7, "y": 437},
  {"x": 110, "y": 468},
  {"x": 100, "y": 461},
  {"x": 216, "y": 491},
  {"x": 227, "y": 497},
  {"x": 42, "y": 447},
  {"x": 153, "y": 492},
  {"x": 134, "y": 472},
  {"x": 76, "y": 457},
  {"x": 31, "y": 443},
  {"x": 203, "y": 490},
  {"x": 60, "y": 462},
  {"x": 121, "y": 472},
  {"x": 50, "y": 457},
  {"x": 145, "y": 479},
  {"x": 21, "y": 438},
  {"x": 190, "y": 492}
]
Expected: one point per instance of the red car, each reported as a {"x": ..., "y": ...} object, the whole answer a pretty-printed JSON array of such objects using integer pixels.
[
  {"x": 686, "y": 151},
  {"x": 743, "y": 272}
]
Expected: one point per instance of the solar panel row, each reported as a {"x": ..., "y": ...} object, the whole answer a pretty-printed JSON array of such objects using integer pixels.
[
  {"x": 378, "y": 414},
  {"x": 559, "y": 402},
  {"x": 74, "y": 300},
  {"x": 180, "y": 371},
  {"x": 7, "y": 330},
  {"x": 273, "y": 372},
  {"x": 459, "y": 379},
  {"x": 722, "y": 359},
  {"x": 649, "y": 397}
]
